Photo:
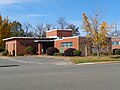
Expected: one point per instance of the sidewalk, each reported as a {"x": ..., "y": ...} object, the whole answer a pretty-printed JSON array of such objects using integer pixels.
[
  {"x": 59, "y": 57},
  {"x": 93, "y": 63}
]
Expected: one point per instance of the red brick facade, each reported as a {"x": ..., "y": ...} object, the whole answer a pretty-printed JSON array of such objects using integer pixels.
[
  {"x": 58, "y": 33},
  {"x": 77, "y": 42},
  {"x": 10, "y": 46},
  {"x": 115, "y": 43},
  {"x": 16, "y": 46},
  {"x": 74, "y": 41}
]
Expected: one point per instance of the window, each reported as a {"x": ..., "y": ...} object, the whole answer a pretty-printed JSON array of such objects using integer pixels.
[
  {"x": 66, "y": 44},
  {"x": 115, "y": 43}
]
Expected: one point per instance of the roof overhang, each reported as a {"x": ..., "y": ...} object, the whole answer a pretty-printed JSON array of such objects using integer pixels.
[
  {"x": 29, "y": 38},
  {"x": 11, "y": 38},
  {"x": 37, "y": 41}
]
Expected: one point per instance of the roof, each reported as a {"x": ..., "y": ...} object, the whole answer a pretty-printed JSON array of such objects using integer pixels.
[
  {"x": 33, "y": 38},
  {"x": 116, "y": 37},
  {"x": 43, "y": 41},
  {"x": 59, "y": 30}
]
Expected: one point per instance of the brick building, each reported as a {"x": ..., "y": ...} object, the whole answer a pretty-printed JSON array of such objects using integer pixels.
[
  {"x": 16, "y": 45},
  {"x": 61, "y": 39},
  {"x": 115, "y": 43}
]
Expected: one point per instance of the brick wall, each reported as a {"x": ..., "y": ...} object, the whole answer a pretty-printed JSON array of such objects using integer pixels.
[
  {"x": 74, "y": 41},
  {"x": 117, "y": 39},
  {"x": 10, "y": 46},
  {"x": 19, "y": 45},
  {"x": 59, "y": 33},
  {"x": 22, "y": 44}
]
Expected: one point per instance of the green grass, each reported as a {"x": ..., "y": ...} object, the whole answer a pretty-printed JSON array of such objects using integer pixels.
[{"x": 89, "y": 59}]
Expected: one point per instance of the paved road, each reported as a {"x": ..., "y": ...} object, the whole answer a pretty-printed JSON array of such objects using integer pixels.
[{"x": 43, "y": 75}]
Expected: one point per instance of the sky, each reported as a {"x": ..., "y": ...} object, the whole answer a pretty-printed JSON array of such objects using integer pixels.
[{"x": 41, "y": 11}]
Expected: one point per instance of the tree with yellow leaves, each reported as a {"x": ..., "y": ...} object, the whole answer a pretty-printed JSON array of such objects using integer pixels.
[
  {"x": 5, "y": 26},
  {"x": 97, "y": 32}
]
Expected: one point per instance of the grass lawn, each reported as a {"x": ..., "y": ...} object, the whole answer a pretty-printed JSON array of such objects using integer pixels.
[{"x": 89, "y": 59}]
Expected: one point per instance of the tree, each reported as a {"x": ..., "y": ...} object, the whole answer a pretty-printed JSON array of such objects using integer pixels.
[
  {"x": 39, "y": 30},
  {"x": 48, "y": 26},
  {"x": 96, "y": 32},
  {"x": 27, "y": 27},
  {"x": 62, "y": 23},
  {"x": 5, "y": 27},
  {"x": 30, "y": 34},
  {"x": 16, "y": 30},
  {"x": 75, "y": 30}
]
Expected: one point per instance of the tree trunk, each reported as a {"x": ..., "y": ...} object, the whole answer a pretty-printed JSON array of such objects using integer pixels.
[
  {"x": 86, "y": 51},
  {"x": 98, "y": 51}
]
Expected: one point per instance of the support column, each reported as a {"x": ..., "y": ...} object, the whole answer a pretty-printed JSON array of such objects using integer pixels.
[{"x": 40, "y": 48}]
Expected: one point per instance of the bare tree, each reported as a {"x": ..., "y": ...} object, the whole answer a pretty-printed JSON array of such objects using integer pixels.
[
  {"x": 62, "y": 23},
  {"x": 27, "y": 27},
  {"x": 75, "y": 30},
  {"x": 48, "y": 26},
  {"x": 39, "y": 29}
]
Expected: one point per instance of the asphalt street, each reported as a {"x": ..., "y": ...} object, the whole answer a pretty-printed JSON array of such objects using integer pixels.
[{"x": 33, "y": 73}]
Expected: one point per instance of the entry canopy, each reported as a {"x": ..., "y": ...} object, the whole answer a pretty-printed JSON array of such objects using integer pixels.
[{"x": 45, "y": 40}]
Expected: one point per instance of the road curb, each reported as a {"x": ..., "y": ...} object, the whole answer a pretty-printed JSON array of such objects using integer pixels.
[{"x": 93, "y": 63}]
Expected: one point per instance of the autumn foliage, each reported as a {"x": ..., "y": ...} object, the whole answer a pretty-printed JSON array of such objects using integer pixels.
[
  {"x": 5, "y": 26},
  {"x": 97, "y": 32}
]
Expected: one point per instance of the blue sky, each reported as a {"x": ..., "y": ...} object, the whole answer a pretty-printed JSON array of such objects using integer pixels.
[{"x": 37, "y": 11}]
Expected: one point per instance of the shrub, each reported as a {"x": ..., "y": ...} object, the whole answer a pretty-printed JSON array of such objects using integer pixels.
[
  {"x": 77, "y": 52},
  {"x": 110, "y": 53},
  {"x": 69, "y": 52},
  {"x": 28, "y": 50},
  {"x": 5, "y": 53},
  {"x": 117, "y": 52},
  {"x": 58, "y": 54},
  {"x": 2, "y": 49},
  {"x": 94, "y": 54},
  {"x": 52, "y": 51},
  {"x": 20, "y": 54},
  {"x": 61, "y": 54},
  {"x": 10, "y": 55},
  {"x": 105, "y": 53}
]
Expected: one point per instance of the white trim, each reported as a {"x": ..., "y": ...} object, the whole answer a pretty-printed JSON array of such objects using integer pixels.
[
  {"x": 66, "y": 38},
  {"x": 51, "y": 37},
  {"x": 59, "y": 30},
  {"x": 21, "y": 38},
  {"x": 43, "y": 40}
]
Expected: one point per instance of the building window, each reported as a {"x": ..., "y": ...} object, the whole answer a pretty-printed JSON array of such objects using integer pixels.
[
  {"x": 66, "y": 44},
  {"x": 115, "y": 43}
]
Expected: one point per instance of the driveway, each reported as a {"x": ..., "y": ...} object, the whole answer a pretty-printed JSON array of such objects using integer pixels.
[{"x": 41, "y": 60}]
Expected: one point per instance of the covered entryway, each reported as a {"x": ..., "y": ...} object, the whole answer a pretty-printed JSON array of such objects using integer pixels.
[{"x": 44, "y": 44}]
